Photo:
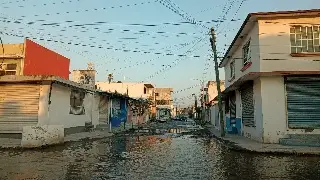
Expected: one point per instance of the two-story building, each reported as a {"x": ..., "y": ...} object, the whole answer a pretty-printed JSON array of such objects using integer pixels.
[
  {"x": 30, "y": 58},
  {"x": 272, "y": 76},
  {"x": 210, "y": 92},
  {"x": 163, "y": 102}
]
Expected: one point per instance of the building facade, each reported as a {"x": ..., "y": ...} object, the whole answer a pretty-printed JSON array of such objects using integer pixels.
[
  {"x": 211, "y": 91},
  {"x": 30, "y": 58},
  {"x": 43, "y": 109},
  {"x": 87, "y": 77},
  {"x": 272, "y": 76},
  {"x": 163, "y": 106},
  {"x": 133, "y": 90},
  {"x": 45, "y": 100}
]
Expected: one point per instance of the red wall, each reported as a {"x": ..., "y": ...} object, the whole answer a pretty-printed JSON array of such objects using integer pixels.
[{"x": 42, "y": 61}]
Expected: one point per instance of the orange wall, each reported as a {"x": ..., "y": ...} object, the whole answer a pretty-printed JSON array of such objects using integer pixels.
[{"x": 42, "y": 61}]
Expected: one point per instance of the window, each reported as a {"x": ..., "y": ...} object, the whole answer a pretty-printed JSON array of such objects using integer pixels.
[
  {"x": 76, "y": 98},
  {"x": 246, "y": 53},
  {"x": 304, "y": 39},
  {"x": 8, "y": 69},
  {"x": 163, "y": 102},
  {"x": 232, "y": 69}
]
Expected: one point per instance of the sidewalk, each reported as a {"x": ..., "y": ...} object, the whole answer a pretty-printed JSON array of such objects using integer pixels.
[
  {"x": 240, "y": 143},
  {"x": 87, "y": 135},
  {"x": 16, "y": 143}
]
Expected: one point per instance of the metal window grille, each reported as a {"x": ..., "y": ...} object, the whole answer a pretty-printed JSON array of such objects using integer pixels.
[
  {"x": 304, "y": 39},
  {"x": 246, "y": 53},
  {"x": 232, "y": 69}
]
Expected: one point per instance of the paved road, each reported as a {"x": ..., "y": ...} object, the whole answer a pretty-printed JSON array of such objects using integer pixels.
[{"x": 168, "y": 155}]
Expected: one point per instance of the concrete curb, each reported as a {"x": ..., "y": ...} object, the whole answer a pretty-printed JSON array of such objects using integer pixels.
[
  {"x": 235, "y": 147},
  {"x": 93, "y": 138}
]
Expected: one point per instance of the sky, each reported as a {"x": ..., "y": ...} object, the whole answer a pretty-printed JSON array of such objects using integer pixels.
[{"x": 137, "y": 40}]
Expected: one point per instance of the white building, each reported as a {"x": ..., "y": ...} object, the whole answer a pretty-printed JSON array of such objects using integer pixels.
[
  {"x": 134, "y": 90},
  {"x": 211, "y": 90},
  {"x": 272, "y": 75},
  {"x": 45, "y": 108}
]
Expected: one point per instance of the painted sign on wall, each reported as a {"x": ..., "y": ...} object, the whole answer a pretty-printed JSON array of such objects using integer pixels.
[{"x": 76, "y": 102}]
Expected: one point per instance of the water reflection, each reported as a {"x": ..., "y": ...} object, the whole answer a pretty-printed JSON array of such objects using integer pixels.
[{"x": 152, "y": 157}]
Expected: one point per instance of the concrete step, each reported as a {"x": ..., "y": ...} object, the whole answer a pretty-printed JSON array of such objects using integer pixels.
[
  {"x": 312, "y": 140},
  {"x": 312, "y": 137},
  {"x": 103, "y": 126},
  {"x": 299, "y": 142}
]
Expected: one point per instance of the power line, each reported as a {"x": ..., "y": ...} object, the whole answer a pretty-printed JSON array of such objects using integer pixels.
[
  {"x": 35, "y": 5},
  {"x": 53, "y": 24},
  {"x": 144, "y": 62},
  {"x": 102, "y": 47},
  {"x": 235, "y": 15},
  {"x": 226, "y": 11},
  {"x": 182, "y": 14},
  {"x": 70, "y": 49},
  {"x": 188, "y": 88},
  {"x": 87, "y": 10},
  {"x": 176, "y": 61},
  {"x": 110, "y": 30}
]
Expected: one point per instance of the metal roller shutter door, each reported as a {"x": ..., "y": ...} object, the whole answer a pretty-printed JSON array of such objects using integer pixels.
[
  {"x": 233, "y": 105},
  {"x": 303, "y": 102},
  {"x": 19, "y": 105},
  {"x": 247, "y": 105}
]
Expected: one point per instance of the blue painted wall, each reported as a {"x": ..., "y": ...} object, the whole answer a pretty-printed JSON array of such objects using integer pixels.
[
  {"x": 119, "y": 115},
  {"x": 233, "y": 125}
]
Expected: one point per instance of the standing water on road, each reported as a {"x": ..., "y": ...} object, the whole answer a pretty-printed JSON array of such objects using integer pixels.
[{"x": 168, "y": 155}]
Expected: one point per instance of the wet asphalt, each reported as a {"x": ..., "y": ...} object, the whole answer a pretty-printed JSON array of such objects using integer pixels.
[{"x": 174, "y": 150}]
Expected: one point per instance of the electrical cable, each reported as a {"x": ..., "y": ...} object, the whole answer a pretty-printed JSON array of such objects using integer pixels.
[{"x": 86, "y": 10}]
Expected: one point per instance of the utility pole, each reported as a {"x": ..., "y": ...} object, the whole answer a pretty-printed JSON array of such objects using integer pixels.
[
  {"x": 195, "y": 103},
  {"x": 216, "y": 68},
  {"x": 202, "y": 101}
]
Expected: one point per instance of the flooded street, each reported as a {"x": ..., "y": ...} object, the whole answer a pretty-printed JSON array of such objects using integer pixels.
[{"x": 170, "y": 155}]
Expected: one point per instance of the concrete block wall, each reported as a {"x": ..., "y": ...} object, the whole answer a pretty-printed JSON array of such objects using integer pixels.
[{"x": 37, "y": 136}]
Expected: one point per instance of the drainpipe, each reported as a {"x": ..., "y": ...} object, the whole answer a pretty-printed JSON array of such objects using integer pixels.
[
  {"x": 49, "y": 97},
  {"x": 49, "y": 101}
]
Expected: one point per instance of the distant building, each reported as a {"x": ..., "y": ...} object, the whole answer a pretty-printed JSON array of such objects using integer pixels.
[
  {"x": 163, "y": 102},
  {"x": 87, "y": 77},
  {"x": 211, "y": 91},
  {"x": 163, "y": 96},
  {"x": 133, "y": 90},
  {"x": 30, "y": 58}
]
